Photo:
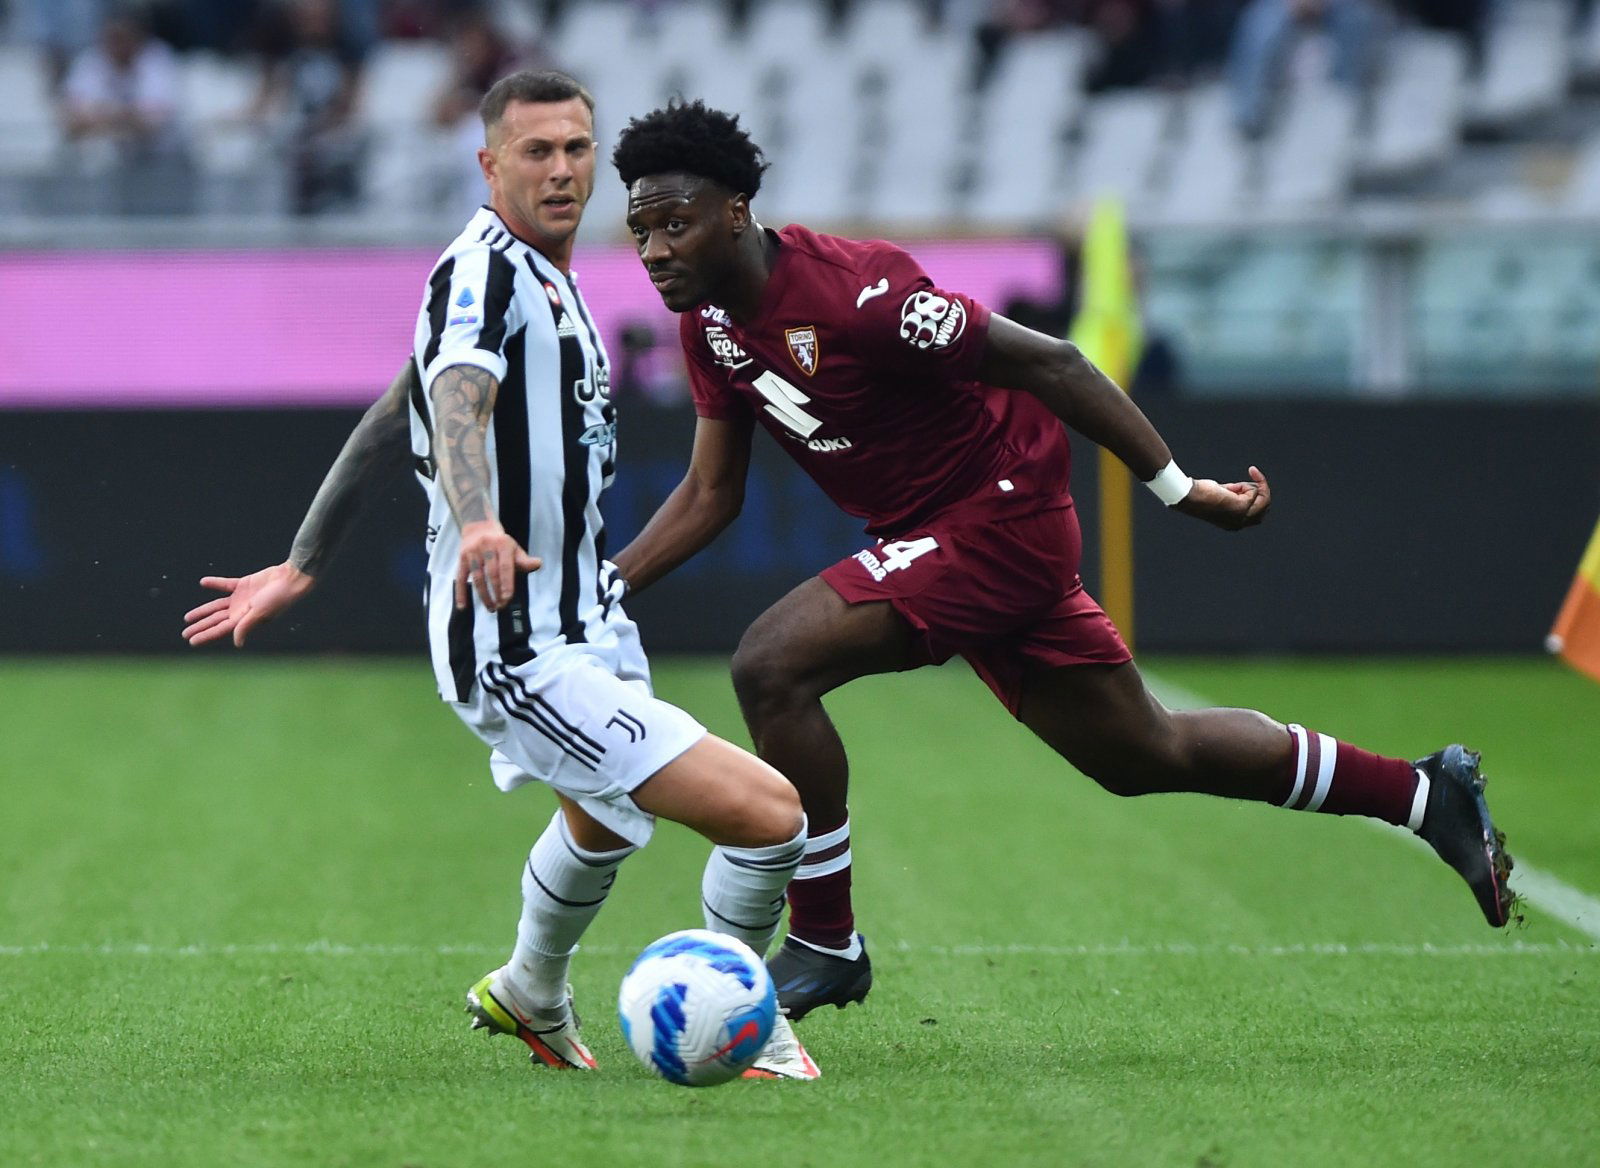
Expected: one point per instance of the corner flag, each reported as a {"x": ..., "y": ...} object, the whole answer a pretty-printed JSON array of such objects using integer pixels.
[
  {"x": 1576, "y": 635},
  {"x": 1107, "y": 326},
  {"x": 1108, "y": 331}
]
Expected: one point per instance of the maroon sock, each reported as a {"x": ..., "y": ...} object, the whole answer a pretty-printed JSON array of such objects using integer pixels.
[
  {"x": 819, "y": 895},
  {"x": 1339, "y": 779}
]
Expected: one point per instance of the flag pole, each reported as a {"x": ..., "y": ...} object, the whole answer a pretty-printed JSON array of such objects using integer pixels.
[{"x": 1108, "y": 331}]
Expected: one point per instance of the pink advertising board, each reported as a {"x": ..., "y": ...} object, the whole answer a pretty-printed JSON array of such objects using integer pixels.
[{"x": 312, "y": 328}]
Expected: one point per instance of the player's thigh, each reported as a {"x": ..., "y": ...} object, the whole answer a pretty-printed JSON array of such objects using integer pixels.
[
  {"x": 816, "y": 638},
  {"x": 726, "y": 794},
  {"x": 1102, "y": 719}
]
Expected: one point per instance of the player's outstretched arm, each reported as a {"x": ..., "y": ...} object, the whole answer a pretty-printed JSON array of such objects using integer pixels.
[
  {"x": 699, "y": 508},
  {"x": 374, "y": 454},
  {"x": 463, "y": 401},
  {"x": 1077, "y": 392}
]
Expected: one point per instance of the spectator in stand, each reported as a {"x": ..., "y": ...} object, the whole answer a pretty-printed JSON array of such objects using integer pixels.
[
  {"x": 1464, "y": 16},
  {"x": 480, "y": 55},
  {"x": 1269, "y": 29},
  {"x": 1127, "y": 54},
  {"x": 60, "y": 29},
  {"x": 1006, "y": 19},
  {"x": 1190, "y": 38},
  {"x": 123, "y": 90},
  {"x": 220, "y": 26},
  {"x": 308, "y": 98}
]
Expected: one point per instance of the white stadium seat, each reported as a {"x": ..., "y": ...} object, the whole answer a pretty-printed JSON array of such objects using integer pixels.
[
  {"x": 887, "y": 28},
  {"x": 795, "y": 30},
  {"x": 591, "y": 32},
  {"x": 1306, "y": 163},
  {"x": 914, "y": 142},
  {"x": 815, "y": 148},
  {"x": 1210, "y": 166},
  {"x": 1123, "y": 138},
  {"x": 1527, "y": 65},
  {"x": 30, "y": 137},
  {"x": 1418, "y": 106},
  {"x": 401, "y": 80},
  {"x": 1023, "y": 117},
  {"x": 694, "y": 33}
]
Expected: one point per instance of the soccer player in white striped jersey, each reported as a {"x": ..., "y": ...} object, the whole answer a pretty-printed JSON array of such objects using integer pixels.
[{"x": 511, "y": 431}]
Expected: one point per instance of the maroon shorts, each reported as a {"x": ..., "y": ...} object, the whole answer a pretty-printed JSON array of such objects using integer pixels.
[{"x": 1002, "y": 593}]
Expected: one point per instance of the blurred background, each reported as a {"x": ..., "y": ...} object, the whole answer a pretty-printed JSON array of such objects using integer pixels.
[{"x": 1364, "y": 238}]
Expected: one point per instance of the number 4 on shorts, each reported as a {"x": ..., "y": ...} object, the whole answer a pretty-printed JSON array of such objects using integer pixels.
[{"x": 900, "y": 553}]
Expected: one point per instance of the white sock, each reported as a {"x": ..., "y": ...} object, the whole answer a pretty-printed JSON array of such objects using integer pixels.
[
  {"x": 849, "y": 952},
  {"x": 742, "y": 890},
  {"x": 1419, "y": 801},
  {"x": 563, "y": 887}
]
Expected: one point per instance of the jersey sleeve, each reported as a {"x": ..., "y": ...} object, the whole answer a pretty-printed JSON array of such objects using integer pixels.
[
  {"x": 713, "y": 395},
  {"x": 468, "y": 314},
  {"x": 904, "y": 323}
]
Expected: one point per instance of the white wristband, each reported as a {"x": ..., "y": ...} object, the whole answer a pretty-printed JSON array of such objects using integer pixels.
[{"x": 1170, "y": 485}]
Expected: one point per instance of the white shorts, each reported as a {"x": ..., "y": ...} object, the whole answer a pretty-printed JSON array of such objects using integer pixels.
[{"x": 581, "y": 719}]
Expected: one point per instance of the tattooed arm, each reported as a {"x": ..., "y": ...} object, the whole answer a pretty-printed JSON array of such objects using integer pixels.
[
  {"x": 463, "y": 400},
  {"x": 374, "y": 454},
  {"x": 378, "y": 449}
]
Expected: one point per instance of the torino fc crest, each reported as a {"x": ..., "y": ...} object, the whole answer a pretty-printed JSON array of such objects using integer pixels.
[{"x": 803, "y": 347}]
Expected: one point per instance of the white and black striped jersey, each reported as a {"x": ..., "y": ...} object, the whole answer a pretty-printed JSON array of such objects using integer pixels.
[{"x": 496, "y": 303}]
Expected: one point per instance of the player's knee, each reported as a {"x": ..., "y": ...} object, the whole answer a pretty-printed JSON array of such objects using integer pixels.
[
  {"x": 762, "y": 677},
  {"x": 769, "y": 813}
]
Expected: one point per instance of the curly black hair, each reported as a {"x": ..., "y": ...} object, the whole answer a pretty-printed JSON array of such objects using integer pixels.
[{"x": 690, "y": 138}]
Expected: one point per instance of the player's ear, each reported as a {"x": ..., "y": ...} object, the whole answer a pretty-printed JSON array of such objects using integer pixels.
[
  {"x": 486, "y": 164},
  {"x": 739, "y": 213}
]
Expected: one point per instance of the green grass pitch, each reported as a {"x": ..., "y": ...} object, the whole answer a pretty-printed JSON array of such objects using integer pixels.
[{"x": 241, "y": 899}]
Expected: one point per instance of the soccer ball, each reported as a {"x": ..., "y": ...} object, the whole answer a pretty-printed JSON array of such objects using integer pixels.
[{"x": 697, "y": 1007}]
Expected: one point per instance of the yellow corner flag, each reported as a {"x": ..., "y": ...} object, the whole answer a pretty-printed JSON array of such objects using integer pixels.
[
  {"x": 1107, "y": 326},
  {"x": 1108, "y": 331},
  {"x": 1576, "y": 635}
]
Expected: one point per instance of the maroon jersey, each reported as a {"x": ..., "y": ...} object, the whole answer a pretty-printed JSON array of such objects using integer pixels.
[{"x": 864, "y": 371}]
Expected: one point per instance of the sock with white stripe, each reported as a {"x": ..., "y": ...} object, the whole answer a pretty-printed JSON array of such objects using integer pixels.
[
  {"x": 742, "y": 890},
  {"x": 1336, "y": 778},
  {"x": 820, "y": 910},
  {"x": 563, "y": 887}
]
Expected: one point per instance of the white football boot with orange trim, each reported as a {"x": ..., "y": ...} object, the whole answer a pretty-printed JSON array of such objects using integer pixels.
[
  {"x": 551, "y": 1035},
  {"x": 783, "y": 1057}
]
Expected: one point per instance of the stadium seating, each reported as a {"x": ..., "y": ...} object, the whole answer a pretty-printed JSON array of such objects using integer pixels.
[
  {"x": 1024, "y": 117},
  {"x": 1307, "y": 163},
  {"x": 1527, "y": 65},
  {"x": 1209, "y": 168},
  {"x": 1418, "y": 106},
  {"x": 874, "y": 123},
  {"x": 1125, "y": 136},
  {"x": 30, "y": 139}
]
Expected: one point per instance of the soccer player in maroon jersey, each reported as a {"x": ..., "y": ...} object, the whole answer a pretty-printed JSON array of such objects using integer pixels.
[{"x": 940, "y": 424}]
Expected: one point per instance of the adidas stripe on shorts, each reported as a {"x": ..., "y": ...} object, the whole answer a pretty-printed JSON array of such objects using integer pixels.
[{"x": 582, "y": 719}]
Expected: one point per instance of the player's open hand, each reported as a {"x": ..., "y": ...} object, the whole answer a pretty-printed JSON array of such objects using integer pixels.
[
  {"x": 490, "y": 561},
  {"x": 1228, "y": 505},
  {"x": 247, "y": 602}
]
